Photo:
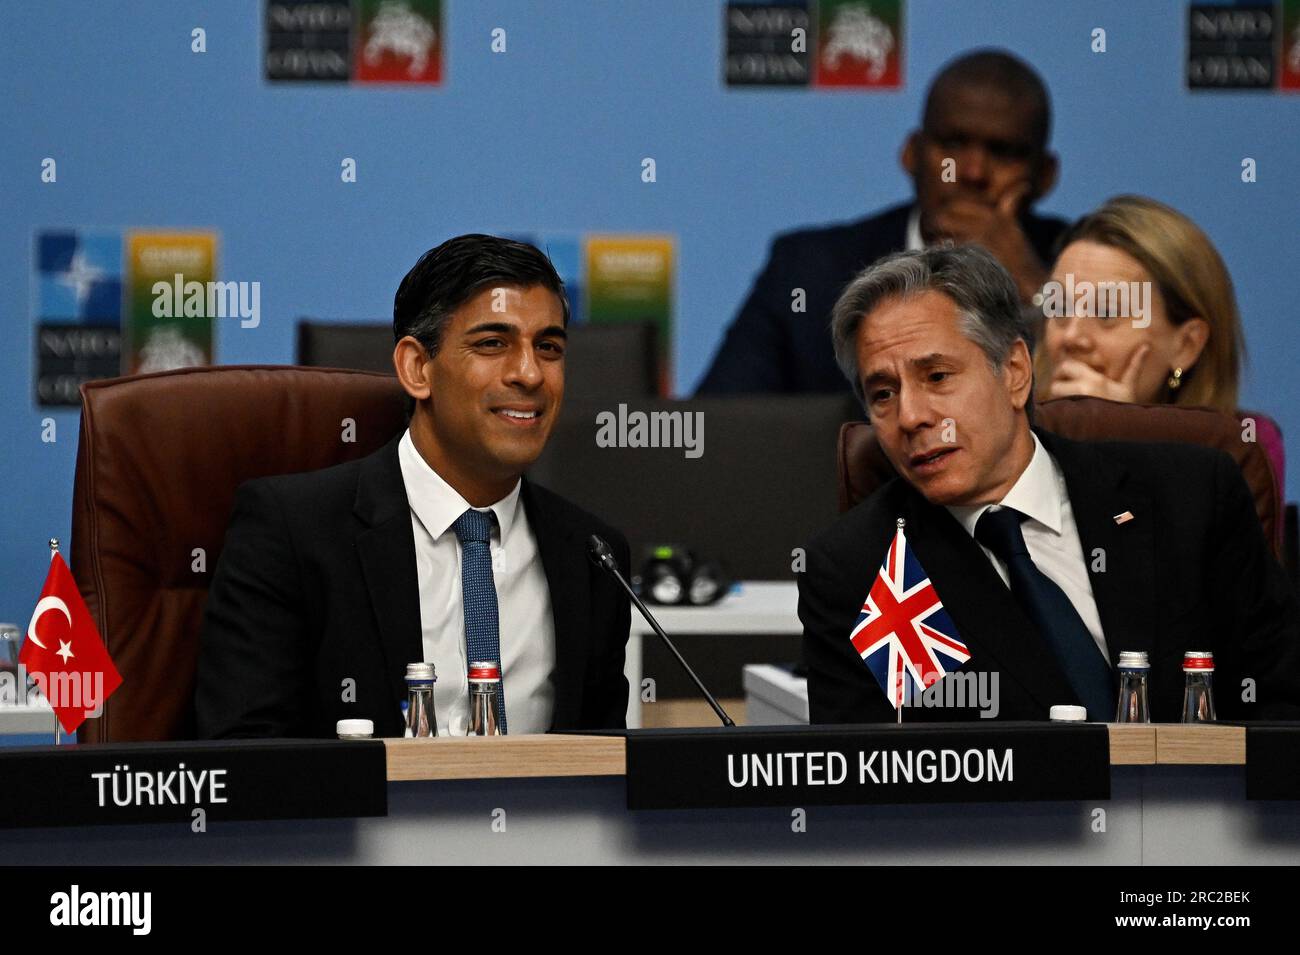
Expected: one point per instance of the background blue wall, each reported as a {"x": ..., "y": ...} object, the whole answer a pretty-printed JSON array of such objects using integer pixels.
[{"x": 549, "y": 137}]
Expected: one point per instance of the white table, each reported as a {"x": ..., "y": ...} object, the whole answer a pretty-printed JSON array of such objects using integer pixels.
[
  {"x": 774, "y": 696},
  {"x": 753, "y": 607},
  {"x": 30, "y": 719}
]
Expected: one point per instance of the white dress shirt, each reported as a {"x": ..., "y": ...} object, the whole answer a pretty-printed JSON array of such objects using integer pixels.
[
  {"x": 1051, "y": 535},
  {"x": 526, "y": 628},
  {"x": 913, "y": 242}
]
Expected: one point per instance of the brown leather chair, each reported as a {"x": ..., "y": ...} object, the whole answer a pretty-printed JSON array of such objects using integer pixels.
[
  {"x": 159, "y": 459},
  {"x": 863, "y": 466}
]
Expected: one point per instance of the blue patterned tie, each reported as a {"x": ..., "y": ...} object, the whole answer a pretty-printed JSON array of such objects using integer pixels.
[
  {"x": 479, "y": 593},
  {"x": 1051, "y": 611}
]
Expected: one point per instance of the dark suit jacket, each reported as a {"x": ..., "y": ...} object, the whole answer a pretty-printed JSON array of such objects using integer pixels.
[
  {"x": 1191, "y": 571},
  {"x": 769, "y": 348},
  {"x": 317, "y": 584}
]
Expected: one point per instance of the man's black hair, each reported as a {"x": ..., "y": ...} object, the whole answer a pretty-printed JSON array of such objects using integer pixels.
[
  {"x": 447, "y": 277},
  {"x": 1002, "y": 71}
]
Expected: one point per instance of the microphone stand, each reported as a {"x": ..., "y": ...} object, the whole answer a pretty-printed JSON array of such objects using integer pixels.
[{"x": 600, "y": 554}]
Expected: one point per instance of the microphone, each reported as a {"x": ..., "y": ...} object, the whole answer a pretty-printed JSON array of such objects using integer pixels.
[{"x": 601, "y": 556}]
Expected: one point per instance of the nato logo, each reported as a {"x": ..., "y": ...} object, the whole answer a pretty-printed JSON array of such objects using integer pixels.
[
  {"x": 79, "y": 277},
  {"x": 78, "y": 313}
]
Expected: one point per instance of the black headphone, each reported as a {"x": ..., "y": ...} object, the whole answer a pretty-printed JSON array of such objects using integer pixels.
[{"x": 674, "y": 575}]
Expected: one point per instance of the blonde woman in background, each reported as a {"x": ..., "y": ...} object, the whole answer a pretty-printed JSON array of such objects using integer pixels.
[{"x": 1185, "y": 347}]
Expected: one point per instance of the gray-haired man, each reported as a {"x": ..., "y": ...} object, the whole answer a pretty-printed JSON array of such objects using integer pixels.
[{"x": 1050, "y": 556}]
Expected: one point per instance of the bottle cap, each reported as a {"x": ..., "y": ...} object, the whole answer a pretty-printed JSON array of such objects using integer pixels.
[
  {"x": 421, "y": 673},
  {"x": 484, "y": 672},
  {"x": 348, "y": 729},
  {"x": 1134, "y": 660},
  {"x": 1067, "y": 713},
  {"x": 1201, "y": 660}
]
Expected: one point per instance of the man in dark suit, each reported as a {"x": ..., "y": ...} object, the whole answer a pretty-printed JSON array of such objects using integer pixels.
[
  {"x": 1050, "y": 556},
  {"x": 434, "y": 548},
  {"x": 978, "y": 164}
]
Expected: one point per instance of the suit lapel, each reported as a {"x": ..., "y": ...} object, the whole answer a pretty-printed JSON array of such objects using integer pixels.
[
  {"x": 998, "y": 634},
  {"x": 1120, "y": 556},
  {"x": 568, "y": 577},
  {"x": 386, "y": 549}
]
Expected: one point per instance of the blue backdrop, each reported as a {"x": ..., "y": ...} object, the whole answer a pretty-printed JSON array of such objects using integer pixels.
[{"x": 549, "y": 137}]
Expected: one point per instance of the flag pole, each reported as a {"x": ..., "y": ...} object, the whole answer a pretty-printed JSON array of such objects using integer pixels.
[
  {"x": 898, "y": 711},
  {"x": 58, "y": 727}
]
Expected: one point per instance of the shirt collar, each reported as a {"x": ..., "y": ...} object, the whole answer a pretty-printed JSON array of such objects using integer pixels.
[
  {"x": 912, "y": 241},
  {"x": 1036, "y": 494},
  {"x": 435, "y": 502}
]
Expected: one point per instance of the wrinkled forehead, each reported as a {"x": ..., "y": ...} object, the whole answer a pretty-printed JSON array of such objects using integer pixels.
[{"x": 908, "y": 328}]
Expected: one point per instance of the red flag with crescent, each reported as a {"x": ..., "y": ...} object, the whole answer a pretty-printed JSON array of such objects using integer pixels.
[{"x": 63, "y": 651}]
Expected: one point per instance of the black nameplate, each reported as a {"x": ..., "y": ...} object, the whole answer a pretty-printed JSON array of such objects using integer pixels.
[
  {"x": 86, "y": 785},
  {"x": 1273, "y": 761},
  {"x": 877, "y": 763}
]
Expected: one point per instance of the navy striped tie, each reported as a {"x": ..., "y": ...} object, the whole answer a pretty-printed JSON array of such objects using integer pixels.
[{"x": 479, "y": 593}]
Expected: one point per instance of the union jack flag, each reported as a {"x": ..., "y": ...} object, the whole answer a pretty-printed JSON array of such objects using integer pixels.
[{"x": 903, "y": 634}]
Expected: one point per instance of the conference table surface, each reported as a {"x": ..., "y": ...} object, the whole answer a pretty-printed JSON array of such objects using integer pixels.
[{"x": 556, "y": 755}]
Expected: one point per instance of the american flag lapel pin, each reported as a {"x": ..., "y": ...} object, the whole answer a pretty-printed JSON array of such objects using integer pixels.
[{"x": 1124, "y": 518}]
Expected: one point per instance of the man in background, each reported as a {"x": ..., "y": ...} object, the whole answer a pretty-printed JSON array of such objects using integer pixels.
[{"x": 978, "y": 164}]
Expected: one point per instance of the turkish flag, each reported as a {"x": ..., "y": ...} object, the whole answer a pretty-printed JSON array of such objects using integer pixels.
[{"x": 64, "y": 653}]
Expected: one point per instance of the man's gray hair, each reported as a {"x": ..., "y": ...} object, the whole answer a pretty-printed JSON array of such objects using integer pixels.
[{"x": 988, "y": 304}]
